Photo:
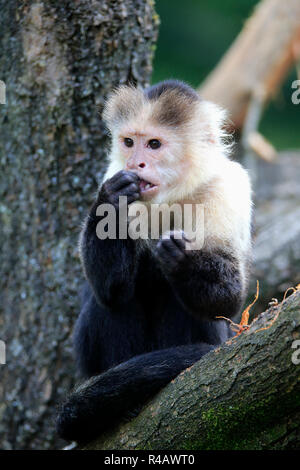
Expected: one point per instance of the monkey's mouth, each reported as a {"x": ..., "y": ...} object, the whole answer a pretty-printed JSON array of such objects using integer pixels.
[{"x": 146, "y": 186}]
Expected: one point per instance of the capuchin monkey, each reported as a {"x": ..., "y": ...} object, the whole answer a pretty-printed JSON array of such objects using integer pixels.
[{"x": 149, "y": 307}]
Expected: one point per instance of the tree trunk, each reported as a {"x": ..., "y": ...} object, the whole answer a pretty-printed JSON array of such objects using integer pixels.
[
  {"x": 59, "y": 60},
  {"x": 243, "y": 395},
  {"x": 259, "y": 59},
  {"x": 276, "y": 261}
]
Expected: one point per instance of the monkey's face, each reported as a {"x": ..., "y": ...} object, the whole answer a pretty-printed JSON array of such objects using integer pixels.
[
  {"x": 150, "y": 153},
  {"x": 171, "y": 140}
]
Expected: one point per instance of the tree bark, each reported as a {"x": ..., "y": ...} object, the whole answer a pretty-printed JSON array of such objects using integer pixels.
[
  {"x": 258, "y": 60},
  {"x": 276, "y": 262},
  {"x": 59, "y": 60},
  {"x": 244, "y": 395}
]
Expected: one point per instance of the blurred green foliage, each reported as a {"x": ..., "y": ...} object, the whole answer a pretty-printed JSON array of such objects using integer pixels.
[{"x": 194, "y": 35}]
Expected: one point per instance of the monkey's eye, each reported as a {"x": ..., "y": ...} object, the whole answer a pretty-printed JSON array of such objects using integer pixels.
[
  {"x": 128, "y": 142},
  {"x": 154, "y": 144}
]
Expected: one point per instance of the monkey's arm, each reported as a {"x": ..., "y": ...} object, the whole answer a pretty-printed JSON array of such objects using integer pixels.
[
  {"x": 206, "y": 282},
  {"x": 110, "y": 265}
]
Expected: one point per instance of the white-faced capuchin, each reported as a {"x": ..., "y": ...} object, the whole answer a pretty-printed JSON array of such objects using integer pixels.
[{"x": 149, "y": 307}]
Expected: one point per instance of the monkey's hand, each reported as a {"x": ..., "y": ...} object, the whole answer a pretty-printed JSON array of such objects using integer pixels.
[
  {"x": 170, "y": 250},
  {"x": 123, "y": 183}
]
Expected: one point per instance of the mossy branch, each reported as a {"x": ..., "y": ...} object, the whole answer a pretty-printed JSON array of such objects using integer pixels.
[{"x": 244, "y": 395}]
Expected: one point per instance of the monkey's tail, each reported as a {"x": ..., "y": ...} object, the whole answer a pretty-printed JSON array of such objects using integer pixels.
[{"x": 104, "y": 399}]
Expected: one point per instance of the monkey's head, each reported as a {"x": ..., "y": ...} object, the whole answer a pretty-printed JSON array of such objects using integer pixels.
[{"x": 167, "y": 135}]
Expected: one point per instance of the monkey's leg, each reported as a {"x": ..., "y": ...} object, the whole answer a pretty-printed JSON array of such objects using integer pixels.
[{"x": 102, "y": 400}]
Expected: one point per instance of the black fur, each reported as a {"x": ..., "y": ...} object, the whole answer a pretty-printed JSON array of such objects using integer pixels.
[
  {"x": 146, "y": 316},
  {"x": 155, "y": 91},
  {"x": 175, "y": 112},
  {"x": 101, "y": 401}
]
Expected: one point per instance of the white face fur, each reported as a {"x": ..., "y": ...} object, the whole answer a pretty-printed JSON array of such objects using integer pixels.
[
  {"x": 181, "y": 159},
  {"x": 156, "y": 156}
]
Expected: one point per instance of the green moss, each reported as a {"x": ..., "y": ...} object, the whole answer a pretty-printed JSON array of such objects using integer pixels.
[{"x": 243, "y": 426}]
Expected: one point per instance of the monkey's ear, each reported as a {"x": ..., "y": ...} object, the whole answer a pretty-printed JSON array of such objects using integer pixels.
[
  {"x": 213, "y": 120},
  {"x": 122, "y": 104}
]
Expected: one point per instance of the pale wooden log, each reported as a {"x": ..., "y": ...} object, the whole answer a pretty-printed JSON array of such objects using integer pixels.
[
  {"x": 258, "y": 60},
  {"x": 262, "y": 147}
]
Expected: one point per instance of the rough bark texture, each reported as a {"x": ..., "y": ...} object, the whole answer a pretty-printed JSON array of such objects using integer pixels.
[
  {"x": 244, "y": 395},
  {"x": 258, "y": 60},
  {"x": 59, "y": 59},
  {"x": 276, "y": 261}
]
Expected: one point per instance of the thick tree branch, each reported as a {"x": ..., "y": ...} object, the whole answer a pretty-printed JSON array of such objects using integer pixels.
[
  {"x": 244, "y": 395},
  {"x": 258, "y": 60},
  {"x": 276, "y": 262}
]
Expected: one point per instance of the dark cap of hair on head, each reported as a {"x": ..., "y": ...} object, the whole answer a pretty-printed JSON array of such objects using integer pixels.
[
  {"x": 173, "y": 101},
  {"x": 155, "y": 91}
]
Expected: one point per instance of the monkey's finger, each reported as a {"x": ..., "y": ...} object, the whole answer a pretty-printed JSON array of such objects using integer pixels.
[
  {"x": 129, "y": 189},
  {"x": 133, "y": 197},
  {"x": 123, "y": 178},
  {"x": 124, "y": 174}
]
